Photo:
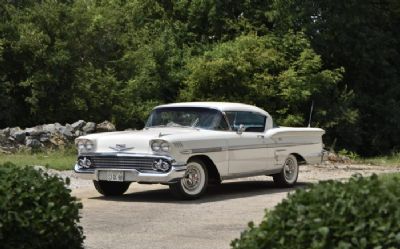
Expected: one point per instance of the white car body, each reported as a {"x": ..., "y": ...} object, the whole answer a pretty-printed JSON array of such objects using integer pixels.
[{"x": 228, "y": 153}]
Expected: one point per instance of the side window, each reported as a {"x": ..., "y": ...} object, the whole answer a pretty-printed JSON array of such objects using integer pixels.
[
  {"x": 253, "y": 122},
  {"x": 221, "y": 124}
]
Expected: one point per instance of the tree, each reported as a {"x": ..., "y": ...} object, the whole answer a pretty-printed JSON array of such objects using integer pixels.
[
  {"x": 363, "y": 37},
  {"x": 280, "y": 73}
]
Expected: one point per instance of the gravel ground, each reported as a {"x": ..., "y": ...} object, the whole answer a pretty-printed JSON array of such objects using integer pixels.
[
  {"x": 309, "y": 173},
  {"x": 147, "y": 216}
]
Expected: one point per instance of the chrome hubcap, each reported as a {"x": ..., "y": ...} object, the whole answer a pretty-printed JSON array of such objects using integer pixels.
[
  {"x": 192, "y": 178},
  {"x": 290, "y": 170}
]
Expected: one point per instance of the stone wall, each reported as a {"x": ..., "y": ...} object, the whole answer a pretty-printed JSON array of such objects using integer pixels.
[{"x": 48, "y": 135}]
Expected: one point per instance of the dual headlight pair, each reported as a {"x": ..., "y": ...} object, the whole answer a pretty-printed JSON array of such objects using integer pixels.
[
  {"x": 159, "y": 146},
  {"x": 85, "y": 145}
]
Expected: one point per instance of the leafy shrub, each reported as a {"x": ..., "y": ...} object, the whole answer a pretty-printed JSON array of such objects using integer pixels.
[
  {"x": 350, "y": 154},
  {"x": 37, "y": 210},
  {"x": 361, "y": 213}
]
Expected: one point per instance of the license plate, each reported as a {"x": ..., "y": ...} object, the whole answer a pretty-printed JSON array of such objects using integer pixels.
[{"x": 114, "y": 176}]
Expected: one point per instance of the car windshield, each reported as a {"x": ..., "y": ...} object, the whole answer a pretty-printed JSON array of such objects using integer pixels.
[{"x": 198, "y": 117}]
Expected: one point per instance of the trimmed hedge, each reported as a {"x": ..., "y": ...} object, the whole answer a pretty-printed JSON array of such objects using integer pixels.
[
  {"x": 37, "y": 210},
  {"x": 360, "y": 213}
]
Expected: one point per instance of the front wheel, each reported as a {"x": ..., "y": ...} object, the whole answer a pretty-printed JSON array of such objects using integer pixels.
[
  {"x": 290, "y": 171},
  {"x": 111, "y": 188},
  {"x": 194, "y": 183}
]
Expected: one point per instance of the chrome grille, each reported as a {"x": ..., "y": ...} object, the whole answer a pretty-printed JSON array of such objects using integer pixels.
[{"x": 139, "y": 163}]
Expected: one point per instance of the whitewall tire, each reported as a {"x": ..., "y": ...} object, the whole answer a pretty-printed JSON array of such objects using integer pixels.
[
  {"x": 194, "y": 183},
  {"x": 289, "y": 174}
]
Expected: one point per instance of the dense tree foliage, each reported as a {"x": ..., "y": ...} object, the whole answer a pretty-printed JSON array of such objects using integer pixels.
[
  {"x": 280, "y": 73},
  {"x": 362, "y": 36},
  {"x": 63, "y": 60}
]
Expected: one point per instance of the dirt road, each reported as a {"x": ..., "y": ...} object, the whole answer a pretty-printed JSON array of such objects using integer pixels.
[{"x": 149, "y": 217}]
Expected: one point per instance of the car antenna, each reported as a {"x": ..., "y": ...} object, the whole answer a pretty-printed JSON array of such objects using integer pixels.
[{"x": 311, "y": 111}]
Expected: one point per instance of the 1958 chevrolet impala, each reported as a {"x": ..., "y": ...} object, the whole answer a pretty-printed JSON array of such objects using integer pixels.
[{"x": 189, "y": 145}]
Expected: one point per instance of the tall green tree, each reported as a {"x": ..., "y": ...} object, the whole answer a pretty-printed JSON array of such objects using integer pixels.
[
  {"x": 36, "y": 66},
  {"x": 364, "y": 38},
  {"x": 280, "y": 73}
]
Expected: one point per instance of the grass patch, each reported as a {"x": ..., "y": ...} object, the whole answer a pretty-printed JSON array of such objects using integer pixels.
[
  {"x": 390, "y": 160},
  {"x": 58, "y": 159},
  {"x": 388, "y": 177}
]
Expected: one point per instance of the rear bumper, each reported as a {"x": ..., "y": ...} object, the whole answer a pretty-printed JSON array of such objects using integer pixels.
[{"x": 132, "y": 175}]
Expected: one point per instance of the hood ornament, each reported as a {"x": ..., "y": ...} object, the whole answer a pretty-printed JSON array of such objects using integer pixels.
[{"x": 121, "y": 147}]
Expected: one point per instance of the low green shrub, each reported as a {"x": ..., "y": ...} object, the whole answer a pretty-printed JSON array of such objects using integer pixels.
[
  {"x": 37, "y": 211},
  {"x": 360, "y": 213}
]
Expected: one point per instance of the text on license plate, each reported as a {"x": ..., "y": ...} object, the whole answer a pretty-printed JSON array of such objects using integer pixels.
[{"x": 114, "y": 176}]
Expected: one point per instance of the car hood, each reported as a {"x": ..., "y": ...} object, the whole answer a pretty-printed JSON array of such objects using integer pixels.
[{"x": 134, "y": 141}]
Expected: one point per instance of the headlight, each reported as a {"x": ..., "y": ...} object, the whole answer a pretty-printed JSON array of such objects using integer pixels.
[
  {"x": 85, "y": 145},
  {"x": 159, "y": 146},
  {"x": 155, "y": 146},
  {"x": 81, "y": 145},
  {"x": 89, "y": 145},
  {"x": 165, "y": 146}
]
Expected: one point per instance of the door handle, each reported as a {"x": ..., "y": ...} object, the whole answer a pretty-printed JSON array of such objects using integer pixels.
[{"x": 260, "y": 136}]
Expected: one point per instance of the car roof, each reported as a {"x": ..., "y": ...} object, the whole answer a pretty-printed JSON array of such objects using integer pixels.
[{"x": 222, "y": 106}]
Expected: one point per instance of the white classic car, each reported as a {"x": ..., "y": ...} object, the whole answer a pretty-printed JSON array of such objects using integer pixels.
[{"x": 189, "y": 145}]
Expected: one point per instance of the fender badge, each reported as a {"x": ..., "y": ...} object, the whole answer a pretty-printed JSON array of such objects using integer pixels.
[{"x": 121, "y": 147}]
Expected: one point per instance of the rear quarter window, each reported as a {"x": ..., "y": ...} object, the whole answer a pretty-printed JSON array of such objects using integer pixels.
[{"x": 253, "y": 122}]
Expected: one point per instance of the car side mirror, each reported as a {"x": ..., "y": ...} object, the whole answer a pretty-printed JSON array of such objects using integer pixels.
[{"x": 241, "y": 129}]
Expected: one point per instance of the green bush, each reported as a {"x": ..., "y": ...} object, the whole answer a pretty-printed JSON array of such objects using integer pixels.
[
  {"x": 360, "y": 213},
  {"x": 37, "y": 210}
]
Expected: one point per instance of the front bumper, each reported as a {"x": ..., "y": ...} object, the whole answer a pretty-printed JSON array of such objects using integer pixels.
[
  {"x": 133, "y": 175},
  {"x": 176, "y": 172}
]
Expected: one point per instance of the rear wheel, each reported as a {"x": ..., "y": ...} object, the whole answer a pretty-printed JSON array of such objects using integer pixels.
[
  {"x": 289, "y": 174},
  {"x": 194, "y": 183},
  {"x": 111, "y": 188}
]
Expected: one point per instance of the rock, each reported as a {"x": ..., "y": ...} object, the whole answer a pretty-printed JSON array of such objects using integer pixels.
[
  {"x": 44, "y": 137},
  {"x": 19, "y": 136},
  {"x": 7, "y": 149},
  {"x": 49, "y": 135},
  {"x": 3, "y": 151},
  {"x": 3, "y": 140},
  {"x": 50, "y": 128},
  {"x": 90, "y": 127},
  {"x": 32, "y": 142},
  {"x": 5, "y": 132},
  {"x": 36, "y": 131},
  {"x": 13, "y": 131},
  {"x": 345, "y": 159},
  {"x": 79, "y": 133},
  {"x": 66, "y": 131},
  {"x": 333, "y": 157},
  {"x": 57, "y": 140},
  {"x": 105, "y": 126},
  {"x": 78, "y": 125}
]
